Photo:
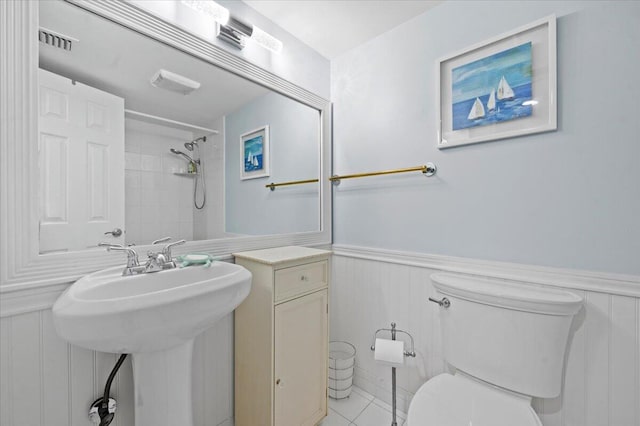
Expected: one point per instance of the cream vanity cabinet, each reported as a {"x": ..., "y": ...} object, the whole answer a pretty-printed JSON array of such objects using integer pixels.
[{"x": 281, "y": 338}]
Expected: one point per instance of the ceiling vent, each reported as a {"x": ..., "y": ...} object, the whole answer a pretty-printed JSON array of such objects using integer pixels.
[{"x": 55, "y": 39}]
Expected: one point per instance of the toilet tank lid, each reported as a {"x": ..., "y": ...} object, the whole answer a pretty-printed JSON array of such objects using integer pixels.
[{"x": 507, "y": 294}]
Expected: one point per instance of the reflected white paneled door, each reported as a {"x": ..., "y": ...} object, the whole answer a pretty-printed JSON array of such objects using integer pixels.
[{"x": 81, "y": 161}]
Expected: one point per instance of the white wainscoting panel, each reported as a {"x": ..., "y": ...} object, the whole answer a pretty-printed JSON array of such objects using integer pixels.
[
  {"x": 47, "y": 382},
  {"x": 602, "y": 371}
]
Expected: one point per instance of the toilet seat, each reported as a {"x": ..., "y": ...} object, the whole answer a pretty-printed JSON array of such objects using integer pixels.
[{"x": 459, "y": 400}]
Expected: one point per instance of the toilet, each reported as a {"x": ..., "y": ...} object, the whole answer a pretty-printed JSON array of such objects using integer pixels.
[{"x": 506, "y": 343}]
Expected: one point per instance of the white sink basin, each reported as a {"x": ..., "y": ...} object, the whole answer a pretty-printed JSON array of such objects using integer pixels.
[
  {"x": 155, "y": 317},
  {"x": 107, "y": 312}
]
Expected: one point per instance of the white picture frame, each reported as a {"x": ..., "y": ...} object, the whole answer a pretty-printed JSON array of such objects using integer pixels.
[
  {"x": 466, "y": 78},
  {"x": 255, "y": 155}
]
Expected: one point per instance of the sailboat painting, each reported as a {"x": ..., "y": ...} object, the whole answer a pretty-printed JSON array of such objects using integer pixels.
[
  {"x": 493, "y": 89},
  {"x": 253, "y": 149},
  {"x": 254, "y": 153}
]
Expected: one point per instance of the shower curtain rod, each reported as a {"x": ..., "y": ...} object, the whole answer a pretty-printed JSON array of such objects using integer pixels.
[{"x": 179, "y": 124}]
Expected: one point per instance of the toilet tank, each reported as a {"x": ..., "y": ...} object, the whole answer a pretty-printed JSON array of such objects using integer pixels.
[{"x": 506, "y": 333}]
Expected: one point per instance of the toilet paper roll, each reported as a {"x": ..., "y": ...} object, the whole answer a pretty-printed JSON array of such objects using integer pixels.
[{"x": 389, "y": 352}]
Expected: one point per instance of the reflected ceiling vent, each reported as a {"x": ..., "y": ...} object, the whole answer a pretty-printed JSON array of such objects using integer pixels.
[
  {"x": 56, "y": 39},
  {"x": 174, "y": 82}
]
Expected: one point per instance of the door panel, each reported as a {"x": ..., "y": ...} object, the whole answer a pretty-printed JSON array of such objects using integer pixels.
[
  {"x": 301, "y": 360},
  {"x": 81, "y": 159}
]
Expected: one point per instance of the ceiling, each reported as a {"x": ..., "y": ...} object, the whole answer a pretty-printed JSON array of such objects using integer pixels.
[{"x": 332, "y": 27}]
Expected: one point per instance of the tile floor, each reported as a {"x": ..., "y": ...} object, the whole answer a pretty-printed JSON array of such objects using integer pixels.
[{"x": 360, "y": 409}]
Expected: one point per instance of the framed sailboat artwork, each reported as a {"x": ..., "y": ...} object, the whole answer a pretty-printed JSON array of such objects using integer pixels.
[
  {"x": 501, "y": 88},
  {"x": 254, "y": 153}
]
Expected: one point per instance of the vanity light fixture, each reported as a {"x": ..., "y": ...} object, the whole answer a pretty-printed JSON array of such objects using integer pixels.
[
  {"x": 168, "y": 80},
  {"x": 210, "y": 8},
  {"x": 266, "y": 40},
  {"x": 233, "y": 30},
  {"x": 237, "y": 32}
]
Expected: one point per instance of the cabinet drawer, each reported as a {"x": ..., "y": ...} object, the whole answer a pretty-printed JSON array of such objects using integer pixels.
[{"x": 290, "y": 282}]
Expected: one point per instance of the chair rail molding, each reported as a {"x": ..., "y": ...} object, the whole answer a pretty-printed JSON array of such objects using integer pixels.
[
  {"x": 21, "y": 266},
  {"x": 600, "y": 282}
]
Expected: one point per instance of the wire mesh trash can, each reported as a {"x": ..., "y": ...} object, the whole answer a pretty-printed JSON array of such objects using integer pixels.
[{"x": 342, "y": 356}]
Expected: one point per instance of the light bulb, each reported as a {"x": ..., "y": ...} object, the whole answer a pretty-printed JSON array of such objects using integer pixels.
[
  {"x": 266, "y": 40},
  {"x": 210, "y": 8}
]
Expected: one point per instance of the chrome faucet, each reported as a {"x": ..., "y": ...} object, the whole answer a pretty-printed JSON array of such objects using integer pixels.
[
  {"x": 166, "y": 251},
  {"x": 133, "y": 265},
  {"x": 156, "y": 262},
  {"x": 162, "y": 260}
]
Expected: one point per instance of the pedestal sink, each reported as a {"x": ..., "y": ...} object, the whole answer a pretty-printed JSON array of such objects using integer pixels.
[{"x": 155, "y": 318}]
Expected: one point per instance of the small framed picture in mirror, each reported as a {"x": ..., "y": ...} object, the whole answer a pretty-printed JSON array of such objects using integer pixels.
[{"x": 254, "y": 150}]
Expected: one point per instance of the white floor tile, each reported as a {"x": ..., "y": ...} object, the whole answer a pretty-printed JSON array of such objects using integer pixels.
[
  {"x": 349, "y": 407},
  {"x": 380, "y": 403},
  {"x": 374, "y": 415},
  {"x": 334, "y": 419}
]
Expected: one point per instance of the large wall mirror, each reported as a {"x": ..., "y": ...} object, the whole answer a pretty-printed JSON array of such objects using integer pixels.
[
  {"x": 155, "y": 142},
  {"x": 135, "y": 124}
]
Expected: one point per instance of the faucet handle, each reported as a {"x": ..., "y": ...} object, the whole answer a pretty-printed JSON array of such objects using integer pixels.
[
  {"x": 161, "y": 240},
  {"x": 132, "y": 256},
  {"x": 167, "y": 249}
]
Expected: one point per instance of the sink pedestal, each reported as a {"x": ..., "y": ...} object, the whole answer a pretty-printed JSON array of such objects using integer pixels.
[
  {"x": 155, "y": 318},
  {"x": 162, "y": 386}
]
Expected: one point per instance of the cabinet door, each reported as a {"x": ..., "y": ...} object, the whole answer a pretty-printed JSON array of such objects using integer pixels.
[{"x": 301, "y": 360}]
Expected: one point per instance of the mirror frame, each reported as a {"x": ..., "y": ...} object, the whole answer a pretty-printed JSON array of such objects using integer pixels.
[{"x": 23, "y": 270}]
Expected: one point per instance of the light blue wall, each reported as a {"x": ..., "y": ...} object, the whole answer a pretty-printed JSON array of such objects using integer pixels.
[
  {"x": 294, "y": 129},
  {"x": 569, "y": 198}
]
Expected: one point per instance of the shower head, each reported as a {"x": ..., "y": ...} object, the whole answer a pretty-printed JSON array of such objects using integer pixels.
[
  {"x": 175, "y": 151},
  {"x": 194, "y": 143}
]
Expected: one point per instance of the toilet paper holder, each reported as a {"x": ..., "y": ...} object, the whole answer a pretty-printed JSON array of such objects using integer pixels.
[{"x": 393, "y": 330}]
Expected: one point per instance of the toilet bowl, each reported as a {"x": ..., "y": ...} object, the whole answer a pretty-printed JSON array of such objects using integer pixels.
[
  {"x": 459, "y": 400},
  {"x": 506, "y": 343}
]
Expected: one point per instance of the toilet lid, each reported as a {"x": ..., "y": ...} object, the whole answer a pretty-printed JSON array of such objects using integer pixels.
[{"x": 458, "y": 400}]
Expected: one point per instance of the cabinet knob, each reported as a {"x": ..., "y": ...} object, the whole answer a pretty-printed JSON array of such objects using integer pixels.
[
  {"x": 278, "y": 382},
  {"x": 304, "y": 278}
]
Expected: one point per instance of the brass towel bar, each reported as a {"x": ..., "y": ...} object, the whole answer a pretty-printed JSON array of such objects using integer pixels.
[
  {"x": 428, "y": 169},
  {"x": 272, "y": 186}
]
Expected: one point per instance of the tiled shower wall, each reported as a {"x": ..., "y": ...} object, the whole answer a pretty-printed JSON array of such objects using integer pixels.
[
  {"x": 158, "y": 203},
  {"x": 208, "y": 222}
]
